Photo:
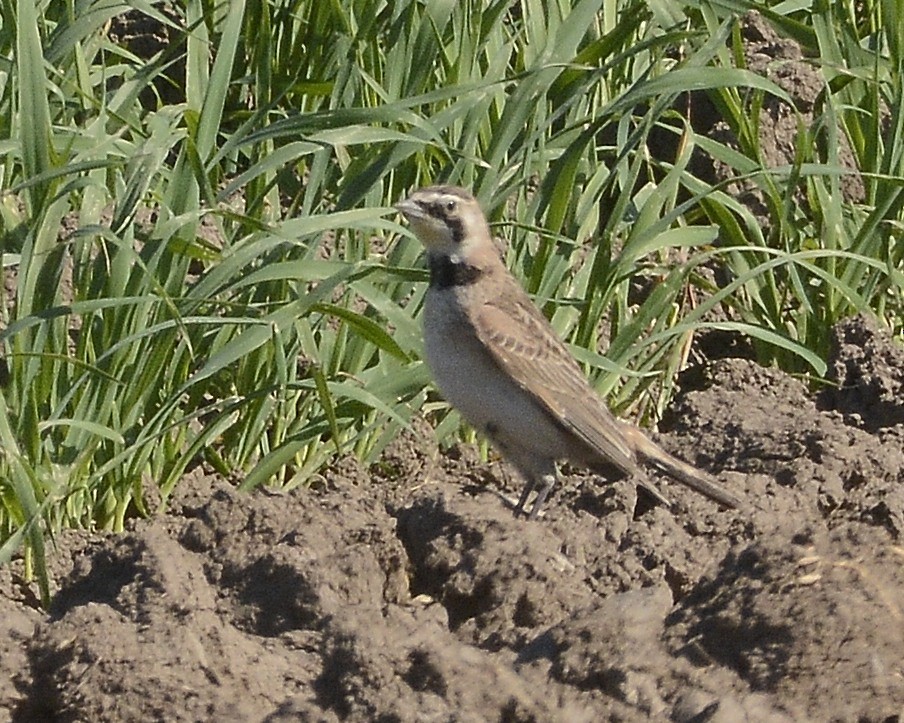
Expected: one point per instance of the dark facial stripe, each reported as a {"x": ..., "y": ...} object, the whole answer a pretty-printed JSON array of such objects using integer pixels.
[
  {"x": 445, "y": 273},
  {"x": 456, "y": 227}
]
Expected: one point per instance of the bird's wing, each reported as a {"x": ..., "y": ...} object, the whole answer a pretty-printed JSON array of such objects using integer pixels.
[{"x": 521, "y": 341}]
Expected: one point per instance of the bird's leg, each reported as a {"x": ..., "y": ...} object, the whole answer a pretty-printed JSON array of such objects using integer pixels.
[
  {"x": 530, "y": 483},
  {"x": 539, "y": 474},
  {"x": 548, "y": 480}
]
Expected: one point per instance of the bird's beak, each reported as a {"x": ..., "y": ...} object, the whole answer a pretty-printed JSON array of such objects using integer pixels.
[{"x": 409, "y": 209}]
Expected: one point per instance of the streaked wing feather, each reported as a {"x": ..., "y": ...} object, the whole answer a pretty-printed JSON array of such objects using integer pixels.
[{"x": 521, "y": 341}]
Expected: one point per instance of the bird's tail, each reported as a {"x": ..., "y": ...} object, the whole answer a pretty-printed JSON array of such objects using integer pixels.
[{"x": 698, "y": 480}]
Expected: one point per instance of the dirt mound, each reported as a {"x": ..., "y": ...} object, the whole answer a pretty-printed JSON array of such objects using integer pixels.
[{"x": 415, "y": 595}]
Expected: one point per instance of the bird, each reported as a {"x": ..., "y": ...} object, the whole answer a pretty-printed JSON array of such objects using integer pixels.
[{"x": 495, "y": 357}]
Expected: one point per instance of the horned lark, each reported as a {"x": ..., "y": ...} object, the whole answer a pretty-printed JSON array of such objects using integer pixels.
[{"x": 496, "y": 358}]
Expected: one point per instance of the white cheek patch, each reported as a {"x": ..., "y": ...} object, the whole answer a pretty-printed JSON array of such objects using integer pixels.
[{"x": 434, "y": 235}]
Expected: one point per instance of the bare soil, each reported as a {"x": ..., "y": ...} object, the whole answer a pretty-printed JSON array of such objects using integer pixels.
[{"x": 409, "y": 592}]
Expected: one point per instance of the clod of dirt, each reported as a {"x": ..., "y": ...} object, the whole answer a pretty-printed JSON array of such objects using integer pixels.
[
  {"x": 18, "y": 623},
  {"x": 817, "y": 619},
  {"x": 758, "y": 421},
  {"x": 867, "y": 369}
]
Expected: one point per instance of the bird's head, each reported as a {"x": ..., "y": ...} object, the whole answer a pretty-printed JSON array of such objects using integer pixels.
[{"x": 448, "y": 221}]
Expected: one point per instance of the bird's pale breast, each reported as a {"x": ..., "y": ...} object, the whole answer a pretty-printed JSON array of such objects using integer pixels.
[{"x": 486, "y": 397}]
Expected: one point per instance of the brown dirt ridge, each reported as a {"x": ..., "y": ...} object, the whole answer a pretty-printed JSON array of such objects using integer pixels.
[{"x": 409, "y": 592}]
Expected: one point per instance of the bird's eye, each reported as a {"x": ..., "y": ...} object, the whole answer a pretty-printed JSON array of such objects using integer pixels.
[{"x": 450, "y": 206}]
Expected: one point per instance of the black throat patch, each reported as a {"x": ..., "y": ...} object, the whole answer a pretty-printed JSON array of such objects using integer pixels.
[{"x": 445, "y": 273}]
